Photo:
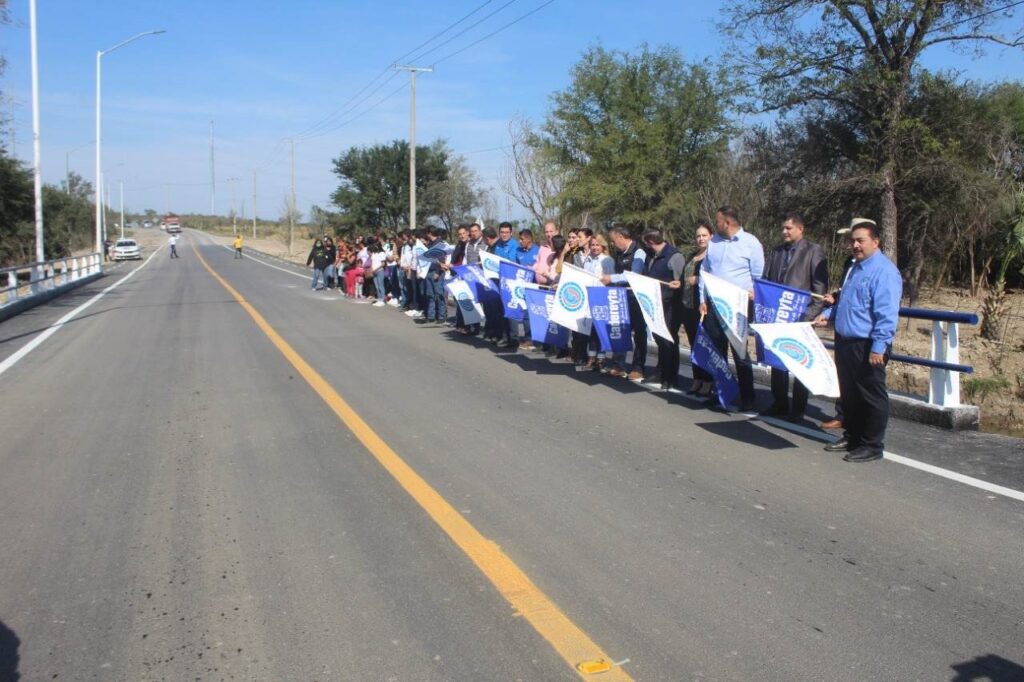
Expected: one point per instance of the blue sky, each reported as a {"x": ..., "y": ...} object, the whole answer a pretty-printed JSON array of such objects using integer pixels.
[{"x": 265, "y": 71}]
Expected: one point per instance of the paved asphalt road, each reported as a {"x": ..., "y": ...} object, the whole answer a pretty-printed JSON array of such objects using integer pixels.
[{"x": 177, "y": 503}]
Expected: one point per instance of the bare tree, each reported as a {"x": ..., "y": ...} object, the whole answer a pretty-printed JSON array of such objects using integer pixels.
[{"x": 530, "y": 177}]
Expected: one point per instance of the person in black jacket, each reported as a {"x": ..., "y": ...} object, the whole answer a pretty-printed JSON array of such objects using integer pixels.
[
  {"x": 318, "y": 258},
  {"x": 666, "y": 264},
  {"x": 800, "y": 264}
]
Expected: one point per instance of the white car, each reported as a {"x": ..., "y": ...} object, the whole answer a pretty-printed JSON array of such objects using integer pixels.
[{"x": 126, "y": 249}]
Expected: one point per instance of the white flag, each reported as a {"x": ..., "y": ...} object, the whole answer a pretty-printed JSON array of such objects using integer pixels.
[
  {"x": 648, "y": 294},
  {"x": 472, "y": 311},
  {"x": 803, "y": 353},
  {"x": 491, "y": 263},
  {"x": 731, "y": 303},
  {"x": 572, "y": 306}
]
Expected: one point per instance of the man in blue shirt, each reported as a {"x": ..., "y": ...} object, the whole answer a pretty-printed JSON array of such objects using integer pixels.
[
  {"x": 527, "y": 251},
  {"x": 506, "y": 247},
  {"x": 736, "y": 256},
  {"x": 865, "y": 320}
]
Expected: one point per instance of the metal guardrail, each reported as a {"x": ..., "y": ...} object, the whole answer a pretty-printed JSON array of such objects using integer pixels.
[
  {"x": 944, "y": 363},
  {"x": 32, "y": 279}
]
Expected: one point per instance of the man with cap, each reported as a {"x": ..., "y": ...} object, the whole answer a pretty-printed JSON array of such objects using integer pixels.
[
  {"x": 801, "y": 264},
  {"x": 865, "y": 320}
]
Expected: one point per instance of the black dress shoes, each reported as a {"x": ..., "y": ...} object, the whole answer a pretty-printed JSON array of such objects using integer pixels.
[
  {"x": 841, "y": 445},
  {"x": 862, "y": 454}
]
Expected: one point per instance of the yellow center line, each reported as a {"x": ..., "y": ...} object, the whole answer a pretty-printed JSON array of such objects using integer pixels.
[{"x": 568, "y": 640}]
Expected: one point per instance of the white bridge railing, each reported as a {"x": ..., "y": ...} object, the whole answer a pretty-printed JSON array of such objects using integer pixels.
[{"x": 21, "y": 282}]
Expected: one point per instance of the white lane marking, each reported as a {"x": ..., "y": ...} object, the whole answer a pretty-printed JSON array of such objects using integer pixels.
[
  {"x": 954, "y": 476},
  {"x": 803, "y": 430},
  {"x": 52, "y": 329}
]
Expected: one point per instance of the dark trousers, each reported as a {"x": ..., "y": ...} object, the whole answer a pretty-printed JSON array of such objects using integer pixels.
[
  {"x": 668, "y": 351},
  {"x": 639, "y": 325},
  {"x": 780, "y": 391},
  {"x": 863, "y": 394},
  {"x": 744, "y": 370},
  {"x": 578, "y": 346},
  {"x": 691, "y": 320}
]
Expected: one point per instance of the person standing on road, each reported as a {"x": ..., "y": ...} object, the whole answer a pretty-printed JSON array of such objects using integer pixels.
[
  {"x": 329, "y": 270},
  {"x": 703, "y": 382},
  {"x": 736, "y": 256},
  {"x": 172, "y": 241},
  {"x": 666, "y": 264},
  {"x": 601, "y": 265},
  {"x": 238, "y": 246},
  {"x": 630, "y": 258},
  {"x": 319, "y": 260},
  {"x": 800, "y": 264},
  {"x": 865, "y": 320}
]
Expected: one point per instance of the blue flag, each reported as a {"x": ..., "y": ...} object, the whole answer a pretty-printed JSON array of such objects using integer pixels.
[
  {"x": 485, "y": 289},
  {"x": 512, "y": 279},
  {"x": 777, "y": 303},
  {"x": 542, "y": 330},
  {"x": 707, "y": 357},
  {"x": 609, "y": 308}
]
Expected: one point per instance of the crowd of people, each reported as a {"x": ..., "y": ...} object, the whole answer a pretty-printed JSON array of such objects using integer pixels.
[{"x": 409, "y": 271}]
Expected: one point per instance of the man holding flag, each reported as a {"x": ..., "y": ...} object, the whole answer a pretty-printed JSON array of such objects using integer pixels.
[
  {"x": 737, "y": 257},
  {"x": 665, "y": 264},
  {"x": 800, "y": 264}
]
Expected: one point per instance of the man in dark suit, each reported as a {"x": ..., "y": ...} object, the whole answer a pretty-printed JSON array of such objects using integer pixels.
[{"x": 801, "y": 264}]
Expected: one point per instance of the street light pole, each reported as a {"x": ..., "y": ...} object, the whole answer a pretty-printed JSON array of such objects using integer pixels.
[
  {"x": 99, "y": 129},
  {"x": 122, "y": 209},
  {"x": 37, "y": 172}
]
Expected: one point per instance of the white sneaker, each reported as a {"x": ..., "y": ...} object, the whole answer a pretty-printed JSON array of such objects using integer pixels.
[
  {"x": 394, "y": 303},
  {"x": 410, "y": 313},
  {"x": 378, "y": 304},
  {"x": 418, "y": 313}
]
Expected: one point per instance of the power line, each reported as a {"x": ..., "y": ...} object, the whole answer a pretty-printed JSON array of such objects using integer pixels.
[
  {"x": 494, "y": 33},
  {"x": 420, "y": 57},
  {"x": 345, "y": 108}
]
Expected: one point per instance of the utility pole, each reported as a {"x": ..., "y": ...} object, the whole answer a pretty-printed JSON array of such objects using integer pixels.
[
  {"x": 122, "y": 209},
  {"x": 413, "y": 70},
  {"x": 254, "y": 203},
  {"x": 213, "y": 181},
  {"x": 291, "y": 207}
]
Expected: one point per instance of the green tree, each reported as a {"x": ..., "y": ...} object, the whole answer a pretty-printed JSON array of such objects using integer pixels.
[
  {"x": 858, "y": 56},
  {"x": 16, "y": 211},
  {"x": 374, "y": 189},
  {"x": 637, "y": 133},
  {"x": 68, "y": 216},
  {"x": 454, "y": 197}
]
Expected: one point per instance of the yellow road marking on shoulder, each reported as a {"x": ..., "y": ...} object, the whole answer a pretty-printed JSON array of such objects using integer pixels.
[{"x": 571, "y": 643}]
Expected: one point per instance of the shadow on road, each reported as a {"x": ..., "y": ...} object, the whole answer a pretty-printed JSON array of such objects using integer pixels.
[
  {"x": 9, "y": 643},
  {"x": 989, "y": 667},
  {"x": 748, "y": 433}
]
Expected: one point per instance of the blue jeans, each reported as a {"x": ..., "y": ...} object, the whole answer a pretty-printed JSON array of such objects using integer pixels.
[
  {"x": 317, "y": 275},
  {"x": 378, "y": 283},
  {"x": 437, "y": 304}
]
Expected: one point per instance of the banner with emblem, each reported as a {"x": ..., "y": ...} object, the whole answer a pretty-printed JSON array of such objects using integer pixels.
[
  {"x": 513, "y": 277},
  {"x": 572, "y": 308},
  {"x": 491, "y": 264},
  {"x": 539, "y": 303},
  {"x": 609, "y": 309},
  {"x": 465, "y": 298},
  {"x": 706, "y": 356},
  {"x": 730, "y": 303},
  {"x": 775, "y": 302},
  {"x": 803, "y": 354},
  {"x": 648, "y": 295}
]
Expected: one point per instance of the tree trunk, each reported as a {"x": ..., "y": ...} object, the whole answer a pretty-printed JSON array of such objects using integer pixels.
[{"x": 888, "y": 223}]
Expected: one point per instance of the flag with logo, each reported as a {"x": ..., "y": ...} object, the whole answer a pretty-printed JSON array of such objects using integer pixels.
[
  {"x": 803, "y": 354},
  {"x": 706, "y": 356},
  {"x": 730, "y": 303},
  {"x": 609, "y": 309},
  {"x": 539, "y": 303},
  {"x": 513, "y": 277},
  {"x": 474, "y": 276},
  {"x": 465, "y": 298},
  {"x": 648, "y": 295},
  {"x": 491, "y": 264},
  {"x": 775, "y": 302},
  {"x": 572, "y": 309}
]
